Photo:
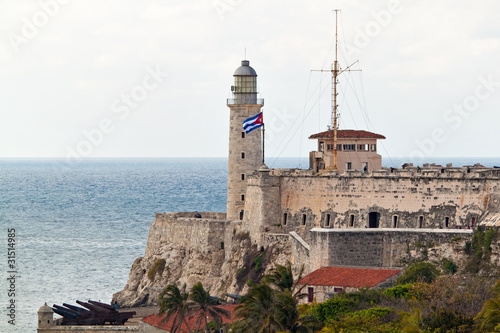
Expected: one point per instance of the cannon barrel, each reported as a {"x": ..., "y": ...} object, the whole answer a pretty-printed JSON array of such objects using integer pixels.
[
  {"x": 76, "y": 308},
  {"x": 64, "y": 313}
]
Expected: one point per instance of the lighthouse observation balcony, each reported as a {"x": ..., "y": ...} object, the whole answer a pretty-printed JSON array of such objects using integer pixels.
[{"x": 240, "y": 100}]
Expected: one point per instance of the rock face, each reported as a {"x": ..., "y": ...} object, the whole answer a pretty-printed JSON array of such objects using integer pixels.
[{"x": 209, "y": 250}]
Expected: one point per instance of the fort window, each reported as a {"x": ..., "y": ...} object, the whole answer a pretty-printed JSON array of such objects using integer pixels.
[
  {"x": 473, "y": 221},
  {"x": 420, "y": 221},
  {"x": 446, "y": 222},
  {"x": 327, "y": 220},
  {"x": 304, "y": 218},
  {"x": 242, "y": 155},
  {"x": 395, "y": 221},
  {"x": 349, "y": 147},
  {"x": 242, "y": 135},
  {"x": 373, "y": 220},
  {"x": 374, "y": 147},
  {"x": 363, "y": 147},
  {"x": 351, "y": 220},
  {"x": 222, "y": 245},
  {"x": 242, "y": 176},
  {"x": 285, "y": 218},
  {"x": 241, "y": 214},
  {"x": 242, "y": 197},
  {"x": 348, "y": 165}
]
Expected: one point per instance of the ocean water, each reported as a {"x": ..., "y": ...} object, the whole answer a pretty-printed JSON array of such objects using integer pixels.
[{"x": 80, "y": 226}]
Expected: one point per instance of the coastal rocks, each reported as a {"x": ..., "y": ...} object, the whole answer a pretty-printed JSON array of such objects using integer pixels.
[{"x": 223, "y": 269}]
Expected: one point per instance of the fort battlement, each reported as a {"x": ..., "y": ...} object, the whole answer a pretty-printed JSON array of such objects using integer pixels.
[
  {"x": 429, "y": 172},
  {"x": 433, "y": 197},
  {"x": 184, "y": 229}
]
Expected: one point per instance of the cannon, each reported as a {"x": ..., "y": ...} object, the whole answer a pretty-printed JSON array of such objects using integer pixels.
[{"x": 91, "y": 313}]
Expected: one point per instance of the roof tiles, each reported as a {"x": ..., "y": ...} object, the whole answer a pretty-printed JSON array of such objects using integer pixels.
[
  {"x": 347, "y": 134},
  {"x": 348, "y": 277}
]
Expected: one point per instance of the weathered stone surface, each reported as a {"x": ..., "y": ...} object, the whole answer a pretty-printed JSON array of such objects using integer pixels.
[{"x": 196, "y": 250}]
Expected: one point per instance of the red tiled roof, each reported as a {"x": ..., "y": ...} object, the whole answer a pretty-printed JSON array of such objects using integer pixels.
[
  {"x": 156, "y": 320},
  {"x": 347, "y": 134},
  {"x": 348, "y": 277}
]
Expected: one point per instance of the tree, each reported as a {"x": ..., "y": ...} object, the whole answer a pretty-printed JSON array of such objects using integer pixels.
[
  {"x": 419, "y": 272},
  {"x": 282, "y": 278},
  {"x": 272, "y": 305},
  {"x": 205, "y": 306},
  {"x": 489, "y": 317},
  {"x": 256, "y": 312},
  {"x": 174, "y": 303}
]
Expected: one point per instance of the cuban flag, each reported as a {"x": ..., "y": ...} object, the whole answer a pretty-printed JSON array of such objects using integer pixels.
[{"x": 253, "y": 122}]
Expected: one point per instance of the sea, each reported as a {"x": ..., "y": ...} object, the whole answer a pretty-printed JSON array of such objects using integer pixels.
[{"x": 71, "y": 231}]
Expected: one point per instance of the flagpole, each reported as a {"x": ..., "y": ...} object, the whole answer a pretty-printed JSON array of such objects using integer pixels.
[{"x": 263, "y": 139}]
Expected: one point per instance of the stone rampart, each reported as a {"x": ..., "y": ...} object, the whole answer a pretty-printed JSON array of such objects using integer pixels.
[
  {"x": 187, "y": 231},
  {"x": 399, "y": 198},
  {"x": 375, "y": 247}
]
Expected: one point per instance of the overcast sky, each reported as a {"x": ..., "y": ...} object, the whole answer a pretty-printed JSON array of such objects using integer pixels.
[{"x": 150, "y": 78}]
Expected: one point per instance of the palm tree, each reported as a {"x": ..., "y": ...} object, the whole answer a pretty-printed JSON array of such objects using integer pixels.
[
  {"x": 282, "y": 278},
  {"x": 174, "y": 302},
  {"x": 256, "y": 312},
  {"x": 205, "y": 306},
  {"x": 287, "y": 314}
]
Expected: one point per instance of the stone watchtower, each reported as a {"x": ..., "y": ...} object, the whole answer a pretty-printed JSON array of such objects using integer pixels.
[
  {"x": 45, "y": 318},
  {"x": 245, "y": 150}
]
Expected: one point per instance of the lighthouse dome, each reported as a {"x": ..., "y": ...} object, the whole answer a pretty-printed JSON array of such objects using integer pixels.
[{"x": 245, "y": 69}]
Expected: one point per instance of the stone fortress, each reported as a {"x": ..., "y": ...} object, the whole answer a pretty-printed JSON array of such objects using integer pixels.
[{"x": 360, "y": 215}]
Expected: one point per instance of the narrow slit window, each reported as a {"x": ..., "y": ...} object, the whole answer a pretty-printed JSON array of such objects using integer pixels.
[
  {"x": 285, "y": 218},
  {"x": 242, "y": 155},
  {"x": 304, "y": 219},
  {"x": 242, "y": 176},
  {"x": 327, "y": 220},
  {"x": 351, "y": 220},
  {"x": 242, "y": 135},
  {"x": 395, "y": 221},
  {"x": 242, "y": 197},
  {"x": 420, "y": 221},
  {"x": 446, "y": 222},
  {"x": 241, "y": 214}
]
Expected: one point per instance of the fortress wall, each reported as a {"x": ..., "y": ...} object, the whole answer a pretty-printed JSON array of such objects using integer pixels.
[
  {"x": 262, "y": 206},
  {"x": 432, "y": 197},
  {"x": 374, "y": 247},
  {"x": 185, "y": 230}
]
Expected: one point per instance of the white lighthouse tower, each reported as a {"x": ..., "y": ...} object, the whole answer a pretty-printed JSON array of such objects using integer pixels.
[{"x": 245, "y": 150}]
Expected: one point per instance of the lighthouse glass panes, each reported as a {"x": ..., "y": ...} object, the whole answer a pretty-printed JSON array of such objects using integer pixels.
[{"x": 245, "y": 84}]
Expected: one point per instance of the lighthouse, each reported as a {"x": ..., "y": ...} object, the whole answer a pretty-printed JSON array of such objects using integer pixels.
[{"x": 245, "y": 150}]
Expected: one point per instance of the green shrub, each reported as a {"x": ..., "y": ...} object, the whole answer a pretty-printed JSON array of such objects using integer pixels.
[
  {"x": 419, "y": 271},
  {"x": 364, "y": 295},
  {"x": 333, "y": 308},
  {"x": 400, "y": 291},
  {"x": 372, "y": 313},
  {"x": 450, "y": 267},
  {"x": 157, "y": 267}
]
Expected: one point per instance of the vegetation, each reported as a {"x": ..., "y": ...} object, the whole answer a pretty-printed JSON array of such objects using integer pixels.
[
  {"x": 157, "y": 267},
  {"x": 478, "y": 250},
  {"x": 174, "y": 303},
  {"x": 419, "y": 271},
  {"x": 180, "y": 304},
  {"x": 272, "y": 305}
]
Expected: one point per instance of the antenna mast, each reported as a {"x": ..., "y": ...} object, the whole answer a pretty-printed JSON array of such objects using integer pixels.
[{"x": 335, "y": 73}]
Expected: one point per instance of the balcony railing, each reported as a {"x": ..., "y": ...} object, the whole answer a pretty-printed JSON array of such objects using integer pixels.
[{"x": 236, "y": 101}]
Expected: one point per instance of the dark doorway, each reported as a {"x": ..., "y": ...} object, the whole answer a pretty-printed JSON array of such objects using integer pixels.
[
  {"x": 310, "y": 294},
  {"x": 373, "y": 220}
]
